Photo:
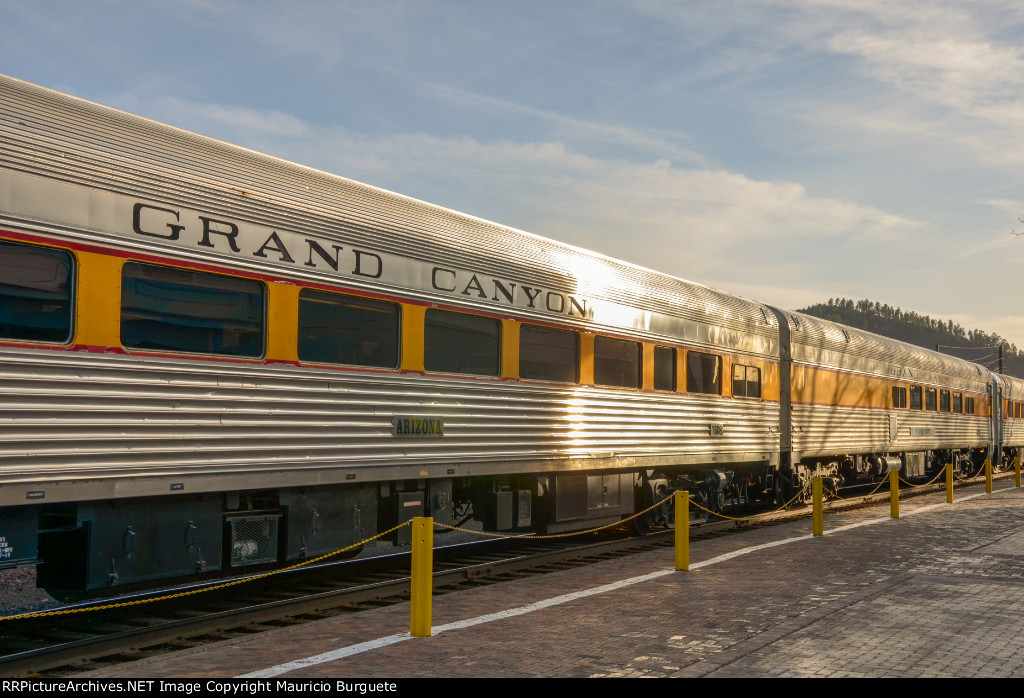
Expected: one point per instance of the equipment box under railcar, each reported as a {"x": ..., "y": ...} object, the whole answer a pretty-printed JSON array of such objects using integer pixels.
[
  {"x": 322, "y": 520},
  {"x": 134, "y": 540}
]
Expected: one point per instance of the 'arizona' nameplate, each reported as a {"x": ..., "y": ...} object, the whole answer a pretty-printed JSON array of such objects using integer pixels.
[{"x": 418, "y": 427}]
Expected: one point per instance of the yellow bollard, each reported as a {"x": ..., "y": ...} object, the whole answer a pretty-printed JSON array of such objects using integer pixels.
[
  {"x": 819, "y": 523},
  {"x": 1016, "y": 470},
  {"x": 894, "y": 494},
  {"x": 988, "y": 477},
  {"x": 949, "y": 483},
  {"x": 422, "y": 575},
  {"x": 682, "y": 530}
]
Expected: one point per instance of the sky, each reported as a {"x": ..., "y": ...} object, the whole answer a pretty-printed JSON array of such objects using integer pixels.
[{"x": 788, "y": 151}]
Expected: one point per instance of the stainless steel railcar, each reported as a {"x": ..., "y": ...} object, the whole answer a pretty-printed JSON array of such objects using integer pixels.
[{"x": 212, "y": 358}]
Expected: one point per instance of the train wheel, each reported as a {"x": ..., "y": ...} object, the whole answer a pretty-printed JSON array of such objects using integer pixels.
[{"x": 661, "y": 516}]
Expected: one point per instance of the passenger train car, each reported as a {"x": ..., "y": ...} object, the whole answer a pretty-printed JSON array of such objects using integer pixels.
[{"x": 212, "y": 358}]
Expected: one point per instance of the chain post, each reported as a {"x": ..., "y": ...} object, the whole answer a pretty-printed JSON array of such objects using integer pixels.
[
  {"x": 422, "y": 584},
  {"x": 819, "y": 523},
  {"x": 894, "y": 494},
  {"x": 988, "y": 477},
  {"x": 949, "y": 483},
  {"x": 682, "y": 504}
]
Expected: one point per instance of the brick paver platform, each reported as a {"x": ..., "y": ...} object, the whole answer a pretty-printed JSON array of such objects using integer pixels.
[{"x": 939, "y": 592}]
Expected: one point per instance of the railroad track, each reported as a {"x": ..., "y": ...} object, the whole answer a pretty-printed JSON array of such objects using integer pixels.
[{"x": 65, "y": 645}]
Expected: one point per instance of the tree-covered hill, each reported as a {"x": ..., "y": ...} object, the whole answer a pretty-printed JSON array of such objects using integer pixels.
[{"x": 908, "y": 326}]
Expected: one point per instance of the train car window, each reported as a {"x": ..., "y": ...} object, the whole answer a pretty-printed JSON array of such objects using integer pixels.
[
  {"x": 746, "y": 381},
  {"x": 958, "y": 405},
  {"x": 616, "y": 362},
  {"x": 930, "y": 400},
  {"x": 703, "y": 373},
  {"x": 338, "y": 329},
  {"x": 1018, "y": 411},
  {"x": 548, "y": 354},
  {"x": 899, "y": 397},
  {"x": 944, "y": 401},
  {"x": 461, "y": 343},
  {"x": 664, "y": 368},
  {"x": 915, "y": 397},
  {"x": 968, "y": 405},
  {"x": 170, "y": 309},
  {"x": 35, "y": 293}
]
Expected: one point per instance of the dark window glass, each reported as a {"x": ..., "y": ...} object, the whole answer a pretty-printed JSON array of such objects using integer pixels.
[
  {"x": 968, "y": 405},
  {"x": 191, "y": 311},
  {"x": 957, "y": 403},
  {"x": 461, "y": 343},
  {"x": 899, "y": 397},
  {"x": 929, "y": 399},
  {"x": 340, "y": 329},
  {"x": 703, "y": 373},
  {"x": 1018, "y": 410},
  {"x": 746, "y": 381},
  {"x": 664, "y": 368},
  {"x": 616, "y": 362},
  {"x": 915, "y": 397},
  {"x": 548, "y": 355},
  {"x": 753, "y": 382},
  {"x": 944, "y": 401},
  {"x": 35, "y": 293}
]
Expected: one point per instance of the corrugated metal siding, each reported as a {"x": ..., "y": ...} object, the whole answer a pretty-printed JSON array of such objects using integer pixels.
[
  {"x": 66, "y": 415},
  {"x": 836, "y": 430}
]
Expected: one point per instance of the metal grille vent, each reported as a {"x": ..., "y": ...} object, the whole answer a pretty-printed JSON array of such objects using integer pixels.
[{"x": 253, "y": 539}]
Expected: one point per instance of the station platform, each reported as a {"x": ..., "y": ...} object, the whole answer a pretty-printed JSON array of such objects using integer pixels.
[{"x": 936, "y": 593}]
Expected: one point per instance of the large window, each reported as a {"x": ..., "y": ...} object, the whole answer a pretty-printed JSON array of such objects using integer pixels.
[
  {"x": 944, "y": 401},
  {"x": 703, "y": 373},
  {"x": 460, "y": 343},
  {"x": 35, "y": 293},
  {"x": 548, "y": 354},
  {"x": 616, "y": 362},
  {"x": 968, "y": 405},
  {"x": 746, "y": 381},
  {"x": 340, "y": 329},
  {"x": 171, "y": 309},
  {"x": 929, "y": 399},
  {"x": 664, "y": 368},
  {"x": 899, "y": 397},
  {"x": 915, "y": 397},
  {"x": 958, "y": 403}
]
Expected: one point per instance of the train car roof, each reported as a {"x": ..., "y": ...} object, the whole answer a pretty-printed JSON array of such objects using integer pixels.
[
  {"x": 841, "y": 346},
  {"x": 60, "y": 136}
]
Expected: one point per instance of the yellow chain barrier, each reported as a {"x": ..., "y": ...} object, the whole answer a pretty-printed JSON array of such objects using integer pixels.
[
  {"x": 932, "y": 481},
  {"x": 971, "y": 477},
  {"x": 753, "y": 516},
  {"x": 212, "y": 587},
  {"x": 614, "y": 524}
]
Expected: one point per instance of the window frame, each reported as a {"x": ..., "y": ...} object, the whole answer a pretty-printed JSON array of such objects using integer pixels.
[
  {"x": 747, "y": 368},
  {"x": 674, "y": 366},
  {"x": 639, "y": 362},
  {"x": 689, "y": 373},
  {"x": 72, "y": 299},
  {"x": 544, "y": 328},
  {"x": 264, "y": 323},
  {"x": 498, "y": 343},
  {"x": 356, "y": 298}
]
